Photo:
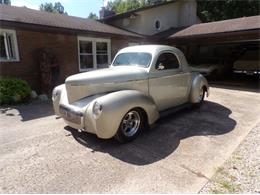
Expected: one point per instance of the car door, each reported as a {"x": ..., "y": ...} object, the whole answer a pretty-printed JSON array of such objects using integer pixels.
[{"x": 168, "y": 84}]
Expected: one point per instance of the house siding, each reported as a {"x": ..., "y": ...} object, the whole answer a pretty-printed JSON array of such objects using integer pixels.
[
  {"x": 63, "y": 46},
  {"x": 177, "y": 14}
]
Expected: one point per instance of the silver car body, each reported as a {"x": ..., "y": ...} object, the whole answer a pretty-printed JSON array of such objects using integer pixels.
[{"x": 121, "y": 88}]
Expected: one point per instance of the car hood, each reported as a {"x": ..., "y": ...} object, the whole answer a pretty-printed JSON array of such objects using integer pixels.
[
  {"x": 106, "y": 80},
  {"x": 108, "y": 75}
]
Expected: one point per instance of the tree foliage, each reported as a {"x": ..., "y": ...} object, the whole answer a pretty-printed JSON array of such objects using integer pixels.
[
  {"x": 57, "y": 7},
  {"x": 208, "y": 10},
  {"x": 121, "y": 6},
  {"x": 93, "y": 16},
  {"x": 215, "y": 10},
  {"x": 6, "y": 2}
]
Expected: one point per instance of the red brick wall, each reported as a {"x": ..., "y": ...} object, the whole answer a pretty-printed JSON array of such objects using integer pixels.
[
  {"x": 63, "y": 46},
  {"x": 117, "y": 44}
]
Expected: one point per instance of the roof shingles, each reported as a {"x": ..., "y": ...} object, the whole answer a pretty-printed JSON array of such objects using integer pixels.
[
  {"x": 30, "y": 16},
  {"x": 232, "y": 25}
]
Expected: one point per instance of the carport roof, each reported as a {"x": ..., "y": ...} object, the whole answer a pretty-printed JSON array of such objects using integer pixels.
[
  {"x": 26, "y": 16},
  {"x": 224, "y": 26}
]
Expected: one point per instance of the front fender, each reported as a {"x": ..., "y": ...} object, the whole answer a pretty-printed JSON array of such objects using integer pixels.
[
  {"x": 56, "y": 96},
  {"x": 198, "y": 81},
  {"x": 114, "y": 106}
]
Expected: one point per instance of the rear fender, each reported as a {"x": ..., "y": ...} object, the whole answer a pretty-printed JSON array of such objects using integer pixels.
[{"x": 198, "y": 82}]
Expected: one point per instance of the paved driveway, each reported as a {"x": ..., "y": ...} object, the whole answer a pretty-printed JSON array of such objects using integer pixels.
[{"x": 39, "y": 154}]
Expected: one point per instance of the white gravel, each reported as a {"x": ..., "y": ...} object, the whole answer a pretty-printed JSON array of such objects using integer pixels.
[{"x": 241, "y": 172}]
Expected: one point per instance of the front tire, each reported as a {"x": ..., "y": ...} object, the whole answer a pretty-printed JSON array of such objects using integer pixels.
[{"x": 131, "y": 125}]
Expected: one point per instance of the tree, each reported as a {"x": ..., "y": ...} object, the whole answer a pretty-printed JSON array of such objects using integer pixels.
[
  {"x": 56, "y": 8},
  {"x": 48, "y": 7},
  {"x": 6, "y": 2},
  {"x": 92, "y": 16},
  {"x": 121, "y": 6},
  {"x": 227, "y": 9}
]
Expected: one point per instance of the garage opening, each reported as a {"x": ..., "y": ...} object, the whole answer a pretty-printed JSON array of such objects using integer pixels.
[
  {"x": 226, "y": 52},
  {"x": 233, "y": 65}
]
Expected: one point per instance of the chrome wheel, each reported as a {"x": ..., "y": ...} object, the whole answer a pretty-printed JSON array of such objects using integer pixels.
[{"x": 131, "y": 123}]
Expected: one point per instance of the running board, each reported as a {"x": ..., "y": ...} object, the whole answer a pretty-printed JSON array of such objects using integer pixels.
[{"x": 174, "y": 109}]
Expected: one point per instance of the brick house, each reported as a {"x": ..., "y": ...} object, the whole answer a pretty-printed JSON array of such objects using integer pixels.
[
  {"x": 78, "y": 44},
  {"x": 82, "y": 44}
]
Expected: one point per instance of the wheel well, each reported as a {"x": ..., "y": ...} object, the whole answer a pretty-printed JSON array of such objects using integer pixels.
[
  {"x": 144, "y": 114},
  {"x": 204, "y": 88}
]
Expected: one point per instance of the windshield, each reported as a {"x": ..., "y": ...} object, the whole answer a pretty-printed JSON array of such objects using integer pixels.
[{"x": 133, "y": 59}]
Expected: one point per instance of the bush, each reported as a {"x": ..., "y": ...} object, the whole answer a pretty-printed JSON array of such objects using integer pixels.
[{"x": 13, "y": 90}]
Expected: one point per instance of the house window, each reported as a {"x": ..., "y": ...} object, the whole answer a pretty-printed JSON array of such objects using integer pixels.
[
  {"x": 86, "y": 54},
  {"x": 8, "y": 46},
  {"x": 93, "y": 53},
  {"x": 102, "y": 54}
]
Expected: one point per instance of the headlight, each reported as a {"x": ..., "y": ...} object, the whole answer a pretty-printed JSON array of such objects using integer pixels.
[{"x": 97, "y": 110}]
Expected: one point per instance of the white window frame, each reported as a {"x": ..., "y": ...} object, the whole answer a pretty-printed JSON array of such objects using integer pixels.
[
  {"x": 15, "y": 46},
  {"x": 94, "y": 50}
]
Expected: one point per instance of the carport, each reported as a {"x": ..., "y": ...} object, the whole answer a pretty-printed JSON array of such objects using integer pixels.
[{"x": 228, "y": 49}]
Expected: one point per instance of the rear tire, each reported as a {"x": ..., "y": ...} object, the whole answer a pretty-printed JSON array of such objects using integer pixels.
[
  {"x": 201, "y": 97},
  {"x": 131, "y": 125}
]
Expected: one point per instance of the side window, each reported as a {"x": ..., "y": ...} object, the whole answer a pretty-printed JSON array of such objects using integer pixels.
[
  {"x": 8, "y": 46},
  {"x": 167, "y": 61}
]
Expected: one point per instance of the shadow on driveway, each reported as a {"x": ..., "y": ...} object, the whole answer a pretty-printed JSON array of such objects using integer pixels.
[
  {"x": 211, "y": 119},
  {"x": 29, "y": 111}
]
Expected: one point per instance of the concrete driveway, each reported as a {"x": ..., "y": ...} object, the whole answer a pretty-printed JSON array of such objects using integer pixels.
[{"x": 40, "y": 154}]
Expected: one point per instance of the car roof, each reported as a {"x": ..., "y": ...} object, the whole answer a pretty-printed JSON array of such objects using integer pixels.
[{"x": 153, "y": 49}]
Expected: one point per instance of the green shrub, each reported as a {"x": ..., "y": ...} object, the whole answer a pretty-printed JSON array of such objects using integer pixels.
[{"x": 13, "y": 90}]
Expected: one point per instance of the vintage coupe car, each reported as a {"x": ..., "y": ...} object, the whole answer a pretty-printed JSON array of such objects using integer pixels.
[
  {"x": 248, "y": 63},
  {"x": 142, "y": 83}
]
